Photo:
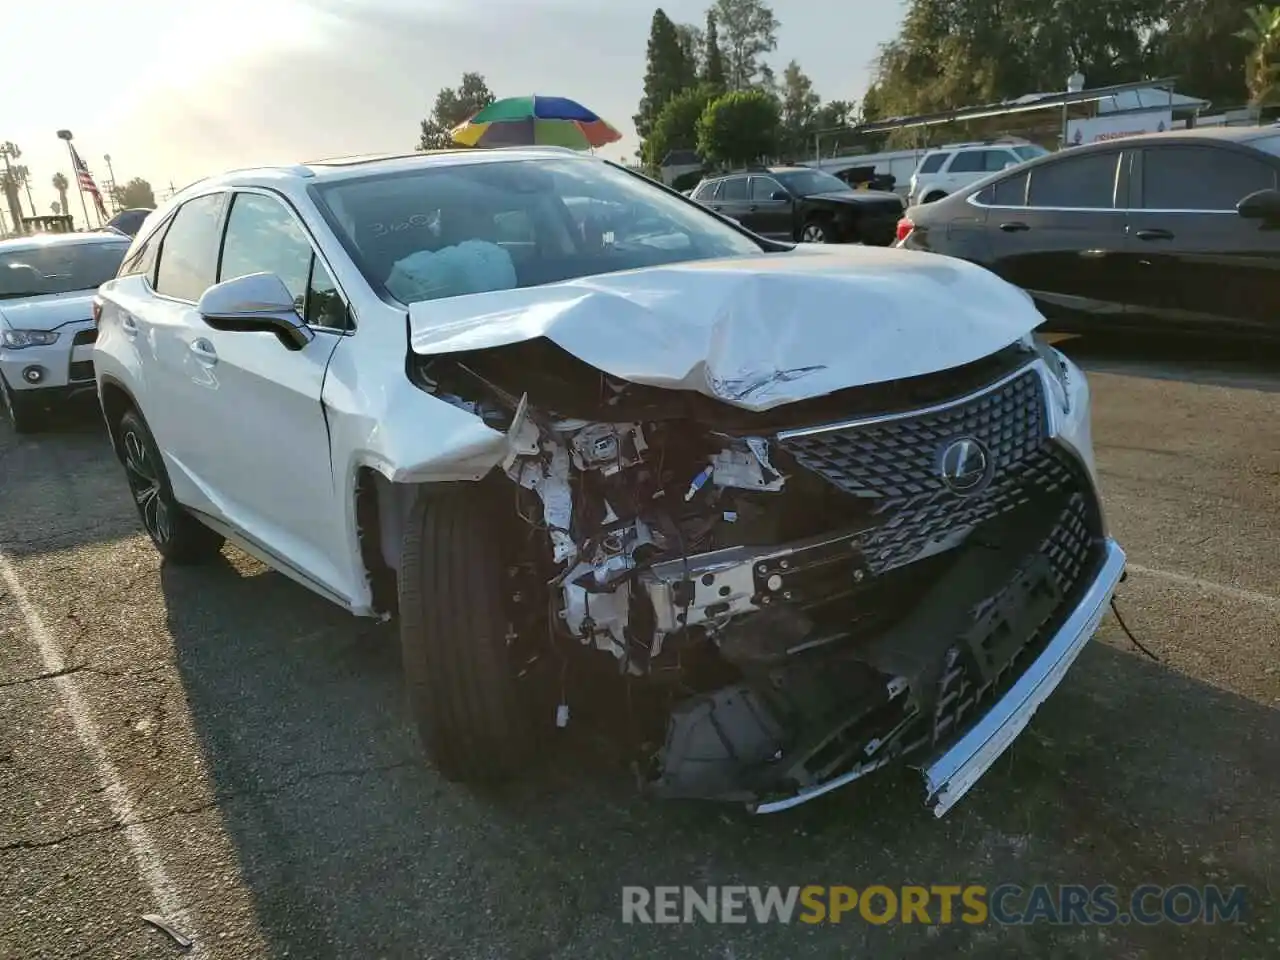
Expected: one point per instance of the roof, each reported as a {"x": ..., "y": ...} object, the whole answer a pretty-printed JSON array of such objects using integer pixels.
[
  {"x": 58, "y": 240},
  {"x": 1229, "y": 134}
]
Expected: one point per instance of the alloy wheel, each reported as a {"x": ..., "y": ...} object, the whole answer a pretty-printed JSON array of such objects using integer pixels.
[
  {"x": 813, "y": 233},
  {"x": 144, "y": 483}
]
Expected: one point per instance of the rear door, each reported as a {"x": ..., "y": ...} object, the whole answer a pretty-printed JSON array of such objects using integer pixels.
[
  {"x": 775, "y": 218},
  {"x": 1195, "y": 261},
  {"x": 1062, "y": 243},
  {"x": 734, "y": 200}
]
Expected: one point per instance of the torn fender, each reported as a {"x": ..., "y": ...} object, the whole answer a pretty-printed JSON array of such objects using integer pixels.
[{"x": 755, "y": 332}]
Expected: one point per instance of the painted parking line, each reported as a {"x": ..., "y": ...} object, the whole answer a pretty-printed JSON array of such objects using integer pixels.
[
  {"x": 123, "y": 804},
  {"x": 1209, "y": 586}
]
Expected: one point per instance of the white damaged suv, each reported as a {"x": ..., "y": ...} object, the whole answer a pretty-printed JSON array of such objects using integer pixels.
[{"x": 835, "y": 507}]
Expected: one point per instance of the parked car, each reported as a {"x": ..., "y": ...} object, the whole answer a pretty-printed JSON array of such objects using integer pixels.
[
  {"x": 800, "y": 204},
  {"x": 835, "y": 507},
  {"x": 1168, "y": 231},
  {"x": 129, "y": 222},
  {"x": 47, "y": 284},
  {"x": 947, "y": 169}
]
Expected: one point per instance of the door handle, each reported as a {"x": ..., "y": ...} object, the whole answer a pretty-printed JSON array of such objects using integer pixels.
[
  {"x": 204, "y": 351},
  {"x": 1014, "y": 226},
  {"x": 129, "y": 326},
  {"x": 1153, "y": 233}
]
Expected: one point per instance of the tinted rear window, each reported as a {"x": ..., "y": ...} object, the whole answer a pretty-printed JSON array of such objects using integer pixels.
[
  {"x": 933, "y": 164},
  {"x": 1201, "y": 178},
  {"x": 1076, "y": 182}
]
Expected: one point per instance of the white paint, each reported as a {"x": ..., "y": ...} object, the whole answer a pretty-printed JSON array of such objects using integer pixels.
[
  {"x": 1236, "y": 593},
  {"x": 136, "y": 835},
  {"x": 1098, "y": 129}
]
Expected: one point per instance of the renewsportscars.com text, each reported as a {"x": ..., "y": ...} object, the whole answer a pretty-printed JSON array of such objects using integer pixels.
[{"x": 1005, "y": 904}]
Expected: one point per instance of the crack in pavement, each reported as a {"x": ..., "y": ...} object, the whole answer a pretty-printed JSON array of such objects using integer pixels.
[
  {"x": 207, "y": 805},
  {"x": 147, "y": 673}
]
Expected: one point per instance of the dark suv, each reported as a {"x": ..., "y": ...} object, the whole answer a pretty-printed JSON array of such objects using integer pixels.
[{"x": 800, "y": 204}]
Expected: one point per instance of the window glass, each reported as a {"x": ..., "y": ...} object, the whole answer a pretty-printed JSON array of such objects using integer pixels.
[
  {"x": 1030, "y": 151},
  {"x": 142, "y": 262},
  {"x": 734, "y": 188},
  {"x": 325, "y": 306},
  {"x": 189, "y": 253},
  {"x": 1075, "y": 182},
  {"x": 706, "y": 191},
  {"x": 445, "y": 230},
  {"x": 971, "y": 161},
  {"x": 58, "y": 268},
  {"x": 806, "y": 183},
  {"x": 262, "y": 237},
  {"x": 997, "y": 160},
  {"x": 1200, "y": 178},
  {"x": 1010, "y": 192},
  {"x": 763, "y": 188},
  {"x": 933, "y": 162}
]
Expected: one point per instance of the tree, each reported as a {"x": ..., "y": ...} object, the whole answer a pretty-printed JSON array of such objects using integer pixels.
[
  {"x": 691, "y": 40},
  {"x": 136, "y": 193},
  {"x": 666, "y": 72},
  {"x": 739, "y": 127},
  {"x": 712, "y": 58},
  {"x": 1200, "y": 43},
  {"x": 454, "y": 105},
  {"x": 750, "y": 30},
  {"x": 676, "y": 127},
  {"x": 799, "y": 109},
  {"x": 1262, "y": 69},
  {"x": 60, "y": 184}
]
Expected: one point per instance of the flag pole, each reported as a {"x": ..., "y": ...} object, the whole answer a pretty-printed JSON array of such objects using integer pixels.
[{"x": 66, "y": 135}]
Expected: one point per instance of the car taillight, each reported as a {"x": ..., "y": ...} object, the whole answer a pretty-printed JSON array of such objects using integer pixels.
[
  {"x": 905, "y": 226},
  {"x": 97, "y": 310}
]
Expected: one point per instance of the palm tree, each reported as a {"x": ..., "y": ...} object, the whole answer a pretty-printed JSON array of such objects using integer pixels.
[
  {"x": 60, "y": 184},
  {"x": 1262, "y": 69}
]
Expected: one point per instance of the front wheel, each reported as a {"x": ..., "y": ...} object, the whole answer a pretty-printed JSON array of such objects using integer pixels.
[
  {"x": 180, "y": 537},
  {"x": 815, "y": 231},
  {"x": 23, "y": 411},
  {"x": 456, "y": 639}
]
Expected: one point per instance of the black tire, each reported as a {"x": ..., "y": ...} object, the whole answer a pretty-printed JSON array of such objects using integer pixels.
[
  {"x": 25, "y": 413},
  {"x": 816, "y": 231},
  {"x": 180, "y": 538},
  {"x": 934, "y": 197},
  {"x": 474, "y": 724}
]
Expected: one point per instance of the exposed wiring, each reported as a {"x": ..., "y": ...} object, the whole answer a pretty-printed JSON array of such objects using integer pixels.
[{"x": 1128, "y": 633}]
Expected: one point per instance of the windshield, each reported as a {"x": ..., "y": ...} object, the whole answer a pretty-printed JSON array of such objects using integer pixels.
[
  {"x": 1030, "y": 152},
  {"x": 805, "y": 183},
  {"x": 58, "y": 268},
  {"x": 495, "y": 225}
]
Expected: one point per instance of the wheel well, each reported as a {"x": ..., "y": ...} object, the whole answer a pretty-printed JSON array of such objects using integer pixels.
[{"x": 116, "y": 402}]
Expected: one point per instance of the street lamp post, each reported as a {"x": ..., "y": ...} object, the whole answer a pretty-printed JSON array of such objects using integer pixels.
[
  {"x": 115, "y": 204},
  {"x": 66, "y": 135}
]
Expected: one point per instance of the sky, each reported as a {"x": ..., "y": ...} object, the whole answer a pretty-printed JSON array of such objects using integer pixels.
[{"x": 176, "y": 91}]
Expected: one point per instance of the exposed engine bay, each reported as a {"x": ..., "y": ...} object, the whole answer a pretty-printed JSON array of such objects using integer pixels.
[{"x": 819, "y": 599}]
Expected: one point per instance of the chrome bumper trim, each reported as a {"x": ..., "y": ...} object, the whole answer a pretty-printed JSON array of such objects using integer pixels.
[{"x": 950, "y": 776}]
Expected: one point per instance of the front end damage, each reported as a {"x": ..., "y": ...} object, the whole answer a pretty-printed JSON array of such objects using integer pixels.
[{"x": 899, "y": 572}]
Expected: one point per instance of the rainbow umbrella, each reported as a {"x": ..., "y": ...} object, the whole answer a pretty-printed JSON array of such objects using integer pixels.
[{"x": 535, "y": 121}]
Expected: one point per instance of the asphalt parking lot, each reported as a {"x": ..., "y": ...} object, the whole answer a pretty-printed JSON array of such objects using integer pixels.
[{"x": 220, "y": 747}]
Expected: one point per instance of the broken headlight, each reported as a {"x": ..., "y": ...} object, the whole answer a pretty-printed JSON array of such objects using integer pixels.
[{"x": 1057, "y": 366}]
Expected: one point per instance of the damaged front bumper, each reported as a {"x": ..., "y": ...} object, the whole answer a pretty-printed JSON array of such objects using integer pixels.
[{"x": 949, "y": 776}]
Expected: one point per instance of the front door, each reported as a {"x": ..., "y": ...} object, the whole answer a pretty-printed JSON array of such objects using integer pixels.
[
  {"x": 733, "y": 200},
  {"x": 262, "y": 447},
  {"x": 1063, "y": 244},
  {"x": 770, "y": 217},
  {"x": 1198, "y": 263}
]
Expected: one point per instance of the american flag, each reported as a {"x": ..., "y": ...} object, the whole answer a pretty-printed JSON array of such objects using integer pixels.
[{"x": 85, "y": 180}]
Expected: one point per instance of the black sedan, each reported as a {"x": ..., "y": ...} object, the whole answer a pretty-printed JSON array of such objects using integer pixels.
[
  {"x": 800, "y": 204},
  {"x": 1174, "y": 232}
]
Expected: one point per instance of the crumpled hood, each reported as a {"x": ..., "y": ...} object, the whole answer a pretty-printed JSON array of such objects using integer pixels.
[
  {"x": 48, "y": 312},
  {"x": 756, "y": 332}
]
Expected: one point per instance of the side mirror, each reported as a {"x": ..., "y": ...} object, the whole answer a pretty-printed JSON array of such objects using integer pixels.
[
  {"x": 780, "y": 195},
  {"x": 1263, "y": 205},
  {"x": 259, "y": 302}
]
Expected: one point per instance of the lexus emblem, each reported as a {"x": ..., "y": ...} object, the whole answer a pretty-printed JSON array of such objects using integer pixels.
[{"x": 964, "y": 465}]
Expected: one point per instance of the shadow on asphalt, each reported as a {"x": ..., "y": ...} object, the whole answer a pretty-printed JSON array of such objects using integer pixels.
[
  {"x": 62, "y": 486},
  {"x": 1203, "y": 360},
  {"x": 352, "y": 847}
]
